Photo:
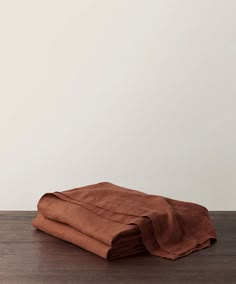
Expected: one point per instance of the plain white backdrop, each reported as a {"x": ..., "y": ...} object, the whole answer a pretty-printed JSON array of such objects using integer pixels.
[{"x": 138, "y": 93}]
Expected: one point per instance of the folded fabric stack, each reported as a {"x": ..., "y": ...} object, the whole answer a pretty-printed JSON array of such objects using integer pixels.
[{"x": 113, "y": 222}]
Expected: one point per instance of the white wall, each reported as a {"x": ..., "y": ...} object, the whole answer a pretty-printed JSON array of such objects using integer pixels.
[{"x": 138, "y": 93}]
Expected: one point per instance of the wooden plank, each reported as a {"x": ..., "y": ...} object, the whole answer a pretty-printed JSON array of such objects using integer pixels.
[{"x": 31, "y": 256}]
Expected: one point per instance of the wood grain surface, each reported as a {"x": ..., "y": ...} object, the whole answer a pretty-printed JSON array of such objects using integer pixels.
[{"x": 31, "y": 256}]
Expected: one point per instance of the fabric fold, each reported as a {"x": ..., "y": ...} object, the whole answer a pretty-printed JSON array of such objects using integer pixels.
[{"x": 113, "y": 221}]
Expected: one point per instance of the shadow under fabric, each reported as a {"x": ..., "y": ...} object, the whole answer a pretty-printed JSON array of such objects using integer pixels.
[{"x": 113, "y": 222}]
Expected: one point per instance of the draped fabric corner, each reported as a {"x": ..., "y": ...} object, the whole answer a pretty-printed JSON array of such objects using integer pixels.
[{"x": 113, "y": 222}]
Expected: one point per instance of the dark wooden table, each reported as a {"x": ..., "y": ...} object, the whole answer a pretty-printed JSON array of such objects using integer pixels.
[{"x": 30, "y": 256}]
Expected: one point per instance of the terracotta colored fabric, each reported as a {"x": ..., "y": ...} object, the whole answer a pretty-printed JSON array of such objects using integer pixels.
[{"x": 112, "y": 221}]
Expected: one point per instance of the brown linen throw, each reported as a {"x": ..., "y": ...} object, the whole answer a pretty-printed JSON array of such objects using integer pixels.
[{"x": 112, "y": 221}]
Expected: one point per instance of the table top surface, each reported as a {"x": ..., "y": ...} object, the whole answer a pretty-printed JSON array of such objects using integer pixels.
[{"x": 28, "y": 255}]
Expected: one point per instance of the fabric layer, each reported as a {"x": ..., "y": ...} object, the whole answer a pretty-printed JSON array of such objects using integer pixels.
[{"x": 113, "y": 221}]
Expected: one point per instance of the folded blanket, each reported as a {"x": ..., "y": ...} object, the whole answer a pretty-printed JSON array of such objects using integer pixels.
[{"x": 112, "y": 221}]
